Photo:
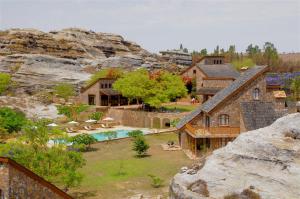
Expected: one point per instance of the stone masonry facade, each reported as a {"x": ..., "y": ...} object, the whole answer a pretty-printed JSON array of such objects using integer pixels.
[{"x": 15, "y": 183}]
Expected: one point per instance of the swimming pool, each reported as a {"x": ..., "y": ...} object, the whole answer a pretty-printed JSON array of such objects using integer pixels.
[{"x": 121, "y": 133}]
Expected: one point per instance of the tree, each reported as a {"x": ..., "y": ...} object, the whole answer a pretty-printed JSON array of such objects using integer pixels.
[
  {"x": 140, "y": 146},
  {"x": 217, "y": 50},
  {"x": 12, "y": 120},
  {"x": 5, "y": 81},
  {"x": 172, "y": 85},
  {"x": 72, "y": 111},
  {"x": 270, "y": 53},
  {"x": 154, "y": 90},
  {"x": 96, "y": 116},
  {"x": 134, "y": 85},
  {"x": 231, "y": 53},
  {"x": 203, "y": 52},
  {"x": 83, "y": 139},
  {"x": 239, "y": 63},
  {"x": 55, "y": 164},
  {"x": 64, "y": 90},
  {"x": 295, "y": 87},
  {"x": 110, "y": 135}
]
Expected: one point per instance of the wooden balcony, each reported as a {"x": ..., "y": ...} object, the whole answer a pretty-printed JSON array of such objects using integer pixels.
[{"x": 212, "y": 132}]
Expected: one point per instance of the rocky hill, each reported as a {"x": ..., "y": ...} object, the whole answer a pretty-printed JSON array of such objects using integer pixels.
[
  {"x": 264, "y": 161},
  {"x": 38, "y": 59}
]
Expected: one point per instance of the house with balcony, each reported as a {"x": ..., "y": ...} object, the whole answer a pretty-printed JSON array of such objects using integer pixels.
[
  {"x": 243, "y": 105},
  {"x": 101, "y": 93},
  {"x": 211, "y": 75}
]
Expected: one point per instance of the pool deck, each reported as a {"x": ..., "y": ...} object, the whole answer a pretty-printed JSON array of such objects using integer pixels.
[{"x": 120, "y": 127}]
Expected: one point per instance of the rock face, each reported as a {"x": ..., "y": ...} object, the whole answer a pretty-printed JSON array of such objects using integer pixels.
[
  {"x": 265, "y": 161},
  {"x": 37, "y": 59}
]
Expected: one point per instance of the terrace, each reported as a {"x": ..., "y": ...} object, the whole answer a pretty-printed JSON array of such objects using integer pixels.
[{"x": 212, "y": 132}]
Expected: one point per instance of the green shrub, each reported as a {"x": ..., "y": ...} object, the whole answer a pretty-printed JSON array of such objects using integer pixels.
[
  {"x": 83, "y": 140},
  {"x": 140, "y": 146},
  {"x": 135, "y": 133},
  {"x": 156, "y": 181},
  {"x": 64, "y": 90},
  {"x": 5, "y": 81},
  {"x": 12, "y": 120},
  {"x": 96, "y": 116}
]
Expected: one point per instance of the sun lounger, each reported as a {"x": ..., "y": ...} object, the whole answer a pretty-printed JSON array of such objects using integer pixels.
[
  {"x": 87, "y": 128},
  {"x": 68, "y": 130}
]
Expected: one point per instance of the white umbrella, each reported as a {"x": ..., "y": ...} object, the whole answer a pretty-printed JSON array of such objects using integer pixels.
[
  {"x": 73, "y": 122},
  {"x": 91, "y": 121},
  {"x": 108, "y": 119},
  {"x": 52, "y": 125}
]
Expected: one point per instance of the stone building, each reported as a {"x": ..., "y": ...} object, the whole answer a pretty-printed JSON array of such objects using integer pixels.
[
  {"x": 244, "y": 105},
  {"x": 211, "y": 75},
  {"x": 18, "y": 182},
  {"x": 177, "y": 56},
  {"x": 101, "y": 93}
]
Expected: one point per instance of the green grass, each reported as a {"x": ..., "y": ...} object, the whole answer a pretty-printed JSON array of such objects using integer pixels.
[
  {"x": 181, "y": 108},
  {"x": 102, "y": 171}
]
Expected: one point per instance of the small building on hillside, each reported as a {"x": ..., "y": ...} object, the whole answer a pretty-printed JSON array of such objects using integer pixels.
[
  {"x": 179, "y": 57},
  {"x": 243, "y": 105},
  {"x": 211, "y": 75},
  {"x": 18, "y": 182},
  {"x": 101, "y": 93}
]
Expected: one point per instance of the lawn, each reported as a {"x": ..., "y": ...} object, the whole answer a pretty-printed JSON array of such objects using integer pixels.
[
  {"x": 113, "y": 171},
  {"x": 180, "y": 108}
]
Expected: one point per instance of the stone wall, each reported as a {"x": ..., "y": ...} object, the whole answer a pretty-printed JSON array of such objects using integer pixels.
[
  {"x": 198, "y": 76},
  {"x": 217, "y": 83},
  {"x": 232, "y": 106},
  {"x": 93, "y": 90},
  {"x": 18, "y": 184},
  {"x": 143, "y": 119},
  {"x": 4, "y": 179}
]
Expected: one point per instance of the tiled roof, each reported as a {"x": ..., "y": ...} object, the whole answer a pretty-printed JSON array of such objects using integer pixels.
[
  {"x": 219, "y": 70},
  {"x": 258, "y": 114},
  {"x": 223, "y": 94},
  {"x": 238, "y": 83},
  {"x": 208, "y": 90},
  {"x": 188, "y": 117}
]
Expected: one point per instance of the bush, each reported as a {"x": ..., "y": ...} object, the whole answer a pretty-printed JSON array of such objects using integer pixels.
[
  {"x": 64, "y": 90},
  {"x": 5, "y": 81},
  {"x": 156, "y": 181},
  {"x": 96, "y": 116},
  {"x": 12, "y": 120},
  {"x": 140, "y": 146},
  {"x": 135, "y": 133},
  {"x": 83, "y": 141}
]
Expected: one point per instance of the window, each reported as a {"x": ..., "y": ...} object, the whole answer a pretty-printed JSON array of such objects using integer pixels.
[
  {"x": 105, "y": 86},
  {"x": 256, "y": 94},
  {"x": 102, "y": 86},
  {"x": 207, "y": 121},
  {"x": 223, "y": 120},
  {"x": 194, "y": 71},
  {"x": 91, "y": 99},
  {"x": 109, "y": 85}
]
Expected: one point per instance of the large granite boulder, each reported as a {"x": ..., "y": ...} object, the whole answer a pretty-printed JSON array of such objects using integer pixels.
[{"x": 265, "y": 161}]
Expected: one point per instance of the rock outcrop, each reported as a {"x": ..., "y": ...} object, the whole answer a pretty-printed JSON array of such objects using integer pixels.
[
  {"x": 265, "y": 161},
  {"x": 37, "y": 59}
]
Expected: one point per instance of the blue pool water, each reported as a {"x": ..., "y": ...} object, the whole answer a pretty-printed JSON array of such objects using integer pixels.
[{"x": 119, "y": 134}]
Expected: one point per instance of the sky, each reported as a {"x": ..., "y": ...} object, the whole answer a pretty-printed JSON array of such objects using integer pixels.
[{"x": 165, "y": 24}]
